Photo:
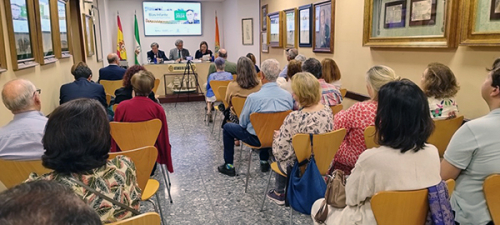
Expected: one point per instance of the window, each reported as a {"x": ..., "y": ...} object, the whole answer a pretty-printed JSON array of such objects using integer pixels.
[{"x": 63, "y": 27}]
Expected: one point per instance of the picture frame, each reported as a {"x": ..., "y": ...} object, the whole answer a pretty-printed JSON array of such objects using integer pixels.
[
  {"x": 305, "y": 15},
  {"x": 291, "y": 27},
  {"x": 89, "y": 36},
  {"x": 395, "y": 14},
  {"x": 480, "y": 26},
  {"x": 423, "y": 12},
  {"x": 247, "y": 31},
  {"x": 324, "y": 26},
  {"x": 443, "y": 32},
  {"x": 495, "y": 10},
  {"x": 265, "y": 46},
  {"x": 275, "y": 33},
  {"x": 263, "y": 15}
]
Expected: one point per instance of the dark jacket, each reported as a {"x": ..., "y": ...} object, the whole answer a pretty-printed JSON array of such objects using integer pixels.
[
  {"x": 123, "y": 93},
  {"x": 200, "y": 55},
  {"x": 111, "y": 72},
  {"x": 82, "y": 88},
  {"x": 160, "y": 55}
]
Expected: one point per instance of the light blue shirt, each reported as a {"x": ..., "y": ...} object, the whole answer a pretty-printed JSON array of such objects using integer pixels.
[
  {"x": 475, "y": 149},
  {"x": 284, "y": 71},
  {"x": 21, "y": 138},
  {"x": 217, "y": 76},
  {"x": 270, "y": 98}
]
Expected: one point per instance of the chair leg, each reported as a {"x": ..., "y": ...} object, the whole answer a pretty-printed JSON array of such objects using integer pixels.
[
  {"x": 213, "y": 120},
  {"x": 265, "y": 191},
  {"x": 291, "y": 213},
  {"x": 239, "y": 160},
  {"x": 248, "y": 170},
  {"x": 158, "y": 208},
  {"x": 167, "y": 181}
]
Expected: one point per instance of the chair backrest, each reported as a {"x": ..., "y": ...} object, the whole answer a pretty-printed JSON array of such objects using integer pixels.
[
  {"x": 325, "y": 146},
  {"x": 215, "y": 84},
  {"x": 132, "y": 135},
  {"x": 343, "y": 92},
  {"x": 110, "y": 86},
  {"x": 114, "y": 107},
  {"x": 15, "y": 172},
  {"x": 336, "y": 108},
  {"x": 238, "y": 103},
  {"x": 443, "y": 131},
  {"x": 265, "y": 124},
  {"x": 234, "y": 76},
  {"x": 450, "y": 183},
  {"x": 370, "y": 137},
  {"x": 108, "y": 99},
  {"x": 222, "y": 93},
  {"x": 259, "y": 75},
  {"x": 149, "y": 218},
  {"x": 144, "y": 159},
  {"x": 492, "y": 195},
  {"x": 400, "y": 207},
  {"x": 157, "y": 84}
]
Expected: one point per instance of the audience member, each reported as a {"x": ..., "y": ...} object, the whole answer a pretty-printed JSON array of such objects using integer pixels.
[
  {"x": 270, "y": 98},
  {"x": 77, "y": 141},
  {"x": 472, "y": 155},
  {"x": 403, "y": 161},
  {"x": 140, "y": 108},
  {"x": 331, "y": 72},
  {"x": 440, "y": 85},
  {"x": 229, "y": 66},
  {"x": 301, "y": 58},
  {"x": 113, "y": 71},
  {"x": 125, "y": 92},
  {"x": 156, "y": 53},
  {"x": 179, "y": 52},
  {"x": 82, "y": 87},
  {"x": 291, "y": 53},
  {"x": 294, "y": 67},
  {"x": 313, "y": 117},
  {"x": 357, "y": 118},
  {"x": 21, "y": 138},
  {"x": 44, "y": 203},
  {"x": 252, "y": 57},
  {"x": 330, "y": 95},
  {"x": 203, "y": 51},
  {"x": 219, "y": 75}
]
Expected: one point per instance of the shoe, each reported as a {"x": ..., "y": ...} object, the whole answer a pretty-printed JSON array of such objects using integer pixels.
[
  {"x": 276, "y": 197},
  {"x": 224, "y": 170},
  {"x": 264, "y": 167},
  {"x": 210, "y": 119},
  {"x": 236, "y": 142}
]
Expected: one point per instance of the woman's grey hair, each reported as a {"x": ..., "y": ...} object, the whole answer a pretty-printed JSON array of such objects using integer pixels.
[
  {"x": 155, "y": 44},
  {"x": 300, "y": 57},
  {"x": 179, "y": 41},
  {"x": 271, "y": 69},
  {"x": 20, "y": 98}
]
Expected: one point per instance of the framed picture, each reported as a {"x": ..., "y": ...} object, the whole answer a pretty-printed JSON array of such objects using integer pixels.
[
  {"x": 423, "y": 12},
  {"x": 305, "y": 26},
  {"x": 495, "y": 10},
  {"x": 481, "y": 26},
  {"x": 263, "y": 14},
  {"x": 247, "y": 31},
  {"x": 291, "y": 26},
  {"x": 89, "y": 34},
  {"x": 324, "y": 22},
  {"x": 395, "y": 14},
  {"x": 265, "y": 47},
  {"x": 275, "y": 28}
]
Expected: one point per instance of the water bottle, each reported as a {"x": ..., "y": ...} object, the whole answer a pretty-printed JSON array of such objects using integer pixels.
[{"x": 155, "y": 61}]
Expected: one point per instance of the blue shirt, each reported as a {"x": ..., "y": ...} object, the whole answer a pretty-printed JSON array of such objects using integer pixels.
[
  {"x": 270, "y": 98},
  {"x": 284, "y": 71},
  {"x": 217, "y": 76},
  {"x": 21, "y": 138}
]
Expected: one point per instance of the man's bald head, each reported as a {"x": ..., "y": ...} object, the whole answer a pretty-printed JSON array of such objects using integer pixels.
[
  {"x": 223, "y": 53},
  {"x": 19, "y": 95},
  {"x": 113, "y": 58}
]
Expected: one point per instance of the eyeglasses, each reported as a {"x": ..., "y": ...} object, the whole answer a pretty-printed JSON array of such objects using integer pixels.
[{"x": 39, "y": 91}]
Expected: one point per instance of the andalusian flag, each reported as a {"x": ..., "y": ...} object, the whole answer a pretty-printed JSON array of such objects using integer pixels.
[
  {"x": 217, "y": 42},
  {"x": 120, "y": 43},
  {"x": 137, "y": 41}
]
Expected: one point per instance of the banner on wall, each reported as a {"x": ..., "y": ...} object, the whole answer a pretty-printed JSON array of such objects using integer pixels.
[
  {"x": 120, "y": 43},
  {"x": 137, "y": 41}
]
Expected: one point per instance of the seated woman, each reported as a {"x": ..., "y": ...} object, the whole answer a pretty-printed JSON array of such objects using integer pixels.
[
  {"x": 125, "y": 92},
  {"x": 203, "y": 51},
  {"x": 357, "y": 118},
  {"x": 140, "y": 108},
  {"x": 313, "y": 117},
  {"x": 252, "y": 57},
  {"x": 219, "y": 75},
  {"x": 294, "y": 66},
  {"x": 331, "y": 72},
  {"x": 77, "y": 141},
  {"x": 440, "y": 86},
  {"x": 403, "y": 161}
]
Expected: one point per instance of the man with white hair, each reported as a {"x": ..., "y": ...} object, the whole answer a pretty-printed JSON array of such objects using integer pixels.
[
  {"x": 21, "y": 138},
  {"x": 178, "y": 53},
  {"x": 291, "y": 53},
  {"x": 271, "y": 98}
]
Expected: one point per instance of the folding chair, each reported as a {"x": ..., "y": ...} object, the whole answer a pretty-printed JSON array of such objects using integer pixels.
[
  {"x": 155, "y": 87},
  {"x": 149, "y": 218},
  {"x": 400, "y": 207},
  {"x": 443, "y": 131},
  {"x": 16, "y": 172},
  {"x": 492, "y": 195},
  {"x": 336, "y": 108},
  {"x": 110, "y": 86},
  {"x": 215, "y": 84},
  {"x": 370, "y": 137},
  {"x": 343, "y": 92}
]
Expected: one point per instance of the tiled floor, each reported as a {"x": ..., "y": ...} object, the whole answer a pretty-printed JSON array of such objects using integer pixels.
[{"x": 201, "y": 195}]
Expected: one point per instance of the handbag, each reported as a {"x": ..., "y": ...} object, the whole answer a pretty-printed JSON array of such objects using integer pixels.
[
  {"x": 334, "y": 195},
  {"x": 303, "y": 190}
]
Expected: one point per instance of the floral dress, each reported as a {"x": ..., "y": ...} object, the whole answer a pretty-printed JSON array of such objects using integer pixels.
[
  {"x": 442, "y": 109},
  {"x": 117, "y": 180}
]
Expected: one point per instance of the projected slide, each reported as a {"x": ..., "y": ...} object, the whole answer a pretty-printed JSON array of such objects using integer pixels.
[{"x": 172, "y": 18}]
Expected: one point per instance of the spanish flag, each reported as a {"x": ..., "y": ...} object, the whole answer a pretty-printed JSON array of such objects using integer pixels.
[
  {"x": 217, "y": 42},
  {"x": 120, "y": 43}
]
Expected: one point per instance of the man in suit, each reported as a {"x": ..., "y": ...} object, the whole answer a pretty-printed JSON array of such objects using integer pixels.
[
  {"x": 178, "y": 53},
  {"x": 160, "y": 55},
  {"x": 82, "y": 87},
  {"x": 230, "y": 66},
  {"x": 113, "y": 71}
]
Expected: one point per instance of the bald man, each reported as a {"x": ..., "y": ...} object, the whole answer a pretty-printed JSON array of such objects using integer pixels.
[
  {"x": 21, "y": 138},
  {"x": 230, "y": 66},
  {"x": 113, "y": 71}
]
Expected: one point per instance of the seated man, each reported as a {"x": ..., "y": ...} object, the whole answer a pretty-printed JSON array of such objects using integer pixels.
[
  {"x": 270, "y": 98},
  {"x": 21, "y": 138},
  {"x": 291, "y": 53},
  {"x": 113, "y": 71},
  {"x": 330, "y": 94},
  {"x": 472, "y": 155},
  {"x": 156, "y": 53},
  {"x": 45, "y": 203},
  {"x": 228, "y": 66},
  {"x": 82, "y": 87},
  {"x": 178, "y": 53},
  {"x": 219, "y": 75}
]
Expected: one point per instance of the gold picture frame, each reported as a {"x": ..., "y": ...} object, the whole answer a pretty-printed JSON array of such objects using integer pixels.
[
  {"x": 323, "y": 26},
  {"x": 89, "y": 34},
  {"x": 275, "y": 29},
  {"x": 291, "y": 30},
  {"x": 486, "y": 36}
]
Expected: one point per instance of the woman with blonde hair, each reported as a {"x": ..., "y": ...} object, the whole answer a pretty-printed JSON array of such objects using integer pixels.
[
  {"x": 357, "y": 118},
  {"x": 312, "y": 117},
  {"x": 440, "y": 86},
  {"x": 331, "y": 72}
]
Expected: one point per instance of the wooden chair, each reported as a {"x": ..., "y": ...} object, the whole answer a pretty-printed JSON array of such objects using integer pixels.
[
  {"x": 238, "y": 103},
  {"x": 222, "y": 93},
  {"x": 325, "y": 147},
  {"x": 370, "y": 137},
  {"x": 149, "y": 218},
  {"x": 157, "y": 84},
  {"x": 259, "y": 75},
  {"x": 114, "y": 107},
  {"x": 343, "y": 92},
  {"x": 400, "y": 207},
  {"x": 16, "y": 172},
  {"x": 336, "y": 108},
  {"x": 234, "y": 76},
  {"x": 443, "y": 131},
  {"x": 450, "y": 183},
  {"x": 215, "y": 84},
  {"x": 110, "y": 86},
  {"x": 108, "y": 99},
  {"x": 492, "y": 195}
]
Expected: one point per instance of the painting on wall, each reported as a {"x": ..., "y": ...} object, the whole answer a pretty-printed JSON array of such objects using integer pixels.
[
  {"x": 247, "y": 31},
  {"x": 263, "y": 14},
  {"x": 324, "y": 14},
  {"x": 291, "y": 28},
  {"x": 395, "y": 14},
  {"x": 275, "y": 34},
  {"x": 305, "y": 26},
  {"x": 265, "y": 47},
  {"x": 495, "y": 10},
  {"x": 423, "y": 12}
]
